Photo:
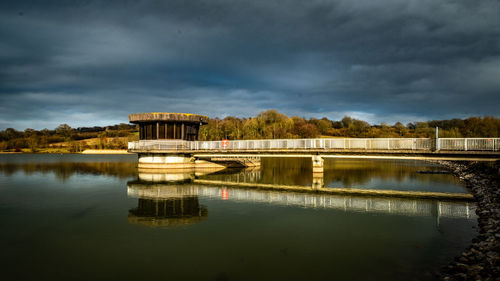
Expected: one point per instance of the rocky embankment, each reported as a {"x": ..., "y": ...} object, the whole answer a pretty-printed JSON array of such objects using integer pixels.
[{"x": 481, "y": 261}]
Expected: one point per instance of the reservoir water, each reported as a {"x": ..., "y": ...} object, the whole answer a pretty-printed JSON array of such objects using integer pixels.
[{"x": 92, "y": 217}]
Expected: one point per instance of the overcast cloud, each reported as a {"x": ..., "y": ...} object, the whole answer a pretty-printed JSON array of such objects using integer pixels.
[{"x": 89, "y": 63}]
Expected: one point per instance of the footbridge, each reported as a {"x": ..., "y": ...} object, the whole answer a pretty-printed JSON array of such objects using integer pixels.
[
  {"x": 169, "y": 141},
  {"x": 442, "y": 147},
  {"x": 175, "y": 154}
]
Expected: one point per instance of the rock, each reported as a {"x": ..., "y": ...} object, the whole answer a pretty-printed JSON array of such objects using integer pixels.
[
  {"x": 462, "y": 267},
  {"x": 460, "y": 276},
  {"x": 480, "y": 261}
]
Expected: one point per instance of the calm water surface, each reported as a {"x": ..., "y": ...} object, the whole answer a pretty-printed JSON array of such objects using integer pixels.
[{"x": 89, "y": 217}]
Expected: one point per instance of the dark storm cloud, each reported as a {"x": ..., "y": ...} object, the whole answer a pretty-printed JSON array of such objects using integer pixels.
[{"x": 94, "y": 62}]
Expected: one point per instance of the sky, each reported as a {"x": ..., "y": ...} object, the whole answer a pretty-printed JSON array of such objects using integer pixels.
[{"x": 91, "y": 63}]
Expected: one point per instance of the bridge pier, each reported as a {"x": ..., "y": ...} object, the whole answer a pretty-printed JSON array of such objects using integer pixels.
[
  {"x": 317, "y": 164},
  {"x": 318, "y": 181},
  {"x": 318, "y": 168}
]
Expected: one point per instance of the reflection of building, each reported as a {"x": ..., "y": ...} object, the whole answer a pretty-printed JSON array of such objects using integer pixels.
[
  {"x": 168, "y": 212},
  {"x": 178, "y": 176},
  {"x": 165, "y": 207},
  {"x": 181, "y": 176}
]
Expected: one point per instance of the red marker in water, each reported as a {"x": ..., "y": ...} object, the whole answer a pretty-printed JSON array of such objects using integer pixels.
[{"x": 224, "y": 194}]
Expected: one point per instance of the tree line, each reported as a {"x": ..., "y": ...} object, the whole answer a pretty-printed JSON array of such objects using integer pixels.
[
  {"x": 66, "y": 139},
  {"x": 269, "y": 124}
]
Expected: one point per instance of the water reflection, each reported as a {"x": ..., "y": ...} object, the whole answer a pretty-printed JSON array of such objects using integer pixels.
[
  {"x": 359, "y": 173},
  {"x": 398, "y": 206},
  {"x": 291, "y": 171},
  {"x": 179, "y": 175},
  {"x": 275, "y": 234},
  {"x": 64, "y": 170},
  {"x": 168, "y": 212},
  {"x": 165, "y": 204}
]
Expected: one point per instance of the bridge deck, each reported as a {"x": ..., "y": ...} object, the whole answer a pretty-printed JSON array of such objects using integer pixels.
[
  {"x": 325, "y": 153},
  {"x": 480, "y": 147}
]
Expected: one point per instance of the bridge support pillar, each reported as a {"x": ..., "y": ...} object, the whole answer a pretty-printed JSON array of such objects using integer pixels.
[
  {"x": 317, "y": 167},
  {"x": 318, "y": 181},
  {"x": 317, "y": 163}
]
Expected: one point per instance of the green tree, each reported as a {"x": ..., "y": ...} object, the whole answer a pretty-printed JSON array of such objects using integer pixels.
[
  {"x": 422, "y": 130},
  {"x": 400, "y": 129},
  {"x": 3, "y": 145},
  {"x": 252, "y": 129},
  {"x": 357, "y": 128},
  {"x": 324, "y": 126},
  {"x": 65, "y": 131},
  {"x": 274, "y": 125}
]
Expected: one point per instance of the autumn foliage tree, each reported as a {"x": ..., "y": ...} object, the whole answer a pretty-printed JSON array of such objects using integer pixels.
[{"x": 271, "y": 124}]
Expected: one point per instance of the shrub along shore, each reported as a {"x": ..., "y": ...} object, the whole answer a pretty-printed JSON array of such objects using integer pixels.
[
  {"x": 66, "y": 151},
  {"x": 481, "y": 260}
]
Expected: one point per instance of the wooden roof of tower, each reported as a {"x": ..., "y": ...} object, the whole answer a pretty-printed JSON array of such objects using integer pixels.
[{"x": 166, "y": 116}]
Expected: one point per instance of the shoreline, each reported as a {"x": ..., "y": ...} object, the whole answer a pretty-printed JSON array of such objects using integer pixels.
[
  {"x": 480, "y": 260},
  {"x": 105, "y": 151},
  {"x": 86, "y": 151}
]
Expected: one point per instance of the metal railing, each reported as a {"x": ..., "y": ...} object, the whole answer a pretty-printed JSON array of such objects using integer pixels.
[
  {"x": 455, "y": 144},
  {"x": 160, "y": 145},
  {"x": 470, "y": 144},
  {"x": 324, "y": 143}
]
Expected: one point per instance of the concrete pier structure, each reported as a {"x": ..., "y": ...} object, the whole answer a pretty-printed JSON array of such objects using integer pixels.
[
  {"x": 164, "y": 161},
  {"x": 318, "y": 164}
]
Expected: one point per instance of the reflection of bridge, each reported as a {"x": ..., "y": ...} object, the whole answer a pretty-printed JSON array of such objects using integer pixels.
[
  {"x": 400, "y": 206},
  {"x": 344, "y": 191}
]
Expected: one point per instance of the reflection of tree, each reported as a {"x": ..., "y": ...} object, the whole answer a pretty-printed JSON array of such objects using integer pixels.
[
  {"x": 345, "y": 172},
  {"x": 350, "y": 172},
  {"x": 294, "y": 171},
  {"x": 291, "y": 171},
  {"x": 64, "y": 170},
  {"x": 168, "y": 212}
]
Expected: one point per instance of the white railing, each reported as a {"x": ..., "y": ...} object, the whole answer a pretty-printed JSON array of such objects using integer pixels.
[
  {"x": 160, "y": 145},
  {"x": 324, "y": 143},
  {"x": 469, "y": 144},
  {"x": 455, "y": 144}
]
